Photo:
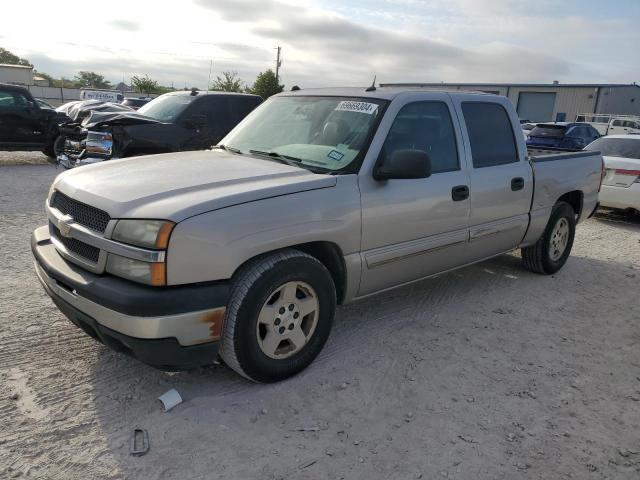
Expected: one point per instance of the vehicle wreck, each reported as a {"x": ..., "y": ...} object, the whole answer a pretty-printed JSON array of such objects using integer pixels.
[{"x": 177, "y": 121}]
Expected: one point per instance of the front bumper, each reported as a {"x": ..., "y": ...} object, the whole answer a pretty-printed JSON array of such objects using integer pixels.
[{"x": 171, "y": 328}]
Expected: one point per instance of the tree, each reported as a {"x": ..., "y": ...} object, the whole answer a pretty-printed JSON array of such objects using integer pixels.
[
  {"x": 229, "y": 82},
  {"x": 144, "y": 84},
  {"x": 266, "y": 85},
  {"x": 11, "y": 59},
  {"x": 90, "y": 79}
]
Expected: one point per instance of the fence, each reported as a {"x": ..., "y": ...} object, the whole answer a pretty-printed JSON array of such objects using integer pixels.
[{"x": 56, "y": 96}]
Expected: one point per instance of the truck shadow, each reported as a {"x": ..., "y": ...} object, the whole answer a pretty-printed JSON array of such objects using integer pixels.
[
  {"x": 628, "y": 220},
  {"x": 460, "y": 332}
]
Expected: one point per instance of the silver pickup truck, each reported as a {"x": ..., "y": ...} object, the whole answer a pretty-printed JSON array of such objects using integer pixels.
[{"x": 318, "y": 198}]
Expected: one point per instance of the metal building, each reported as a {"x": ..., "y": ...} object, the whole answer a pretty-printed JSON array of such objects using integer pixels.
[
  {"x": 554, "y": 102},
  {"x": 16, "y": 74}
]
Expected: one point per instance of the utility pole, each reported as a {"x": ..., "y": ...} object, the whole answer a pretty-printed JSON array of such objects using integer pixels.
[{"x": 278, "y": 63}]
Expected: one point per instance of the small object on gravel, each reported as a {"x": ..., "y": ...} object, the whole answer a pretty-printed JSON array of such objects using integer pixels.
[
  {"x": 139, "y": 442},
  {"x": 343, "y": 386},
  {"x": 170, "y": 399},
  {"x": 361, "y": 460},
  {"x": 264, "y": 411},
  {"x": 14, "y": 396},
  {"x": 311, "y": 428},
  {"x": 307, "y": 464},
  {"x": 466, "y": 439}
]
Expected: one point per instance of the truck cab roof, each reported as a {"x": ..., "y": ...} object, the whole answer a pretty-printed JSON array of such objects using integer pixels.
[{"x": 382, "y": 93}]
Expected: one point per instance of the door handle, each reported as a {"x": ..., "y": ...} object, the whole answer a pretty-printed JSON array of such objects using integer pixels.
[
  {"x": 459, "y": 193},
  {"x": 517, "y": 183}
]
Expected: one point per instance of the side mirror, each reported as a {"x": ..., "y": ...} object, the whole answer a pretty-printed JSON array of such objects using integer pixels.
[
  {"x": 197, "y": 121},
  {"x": 31, "y": 105},
  {"x": 405, "y": 165}
]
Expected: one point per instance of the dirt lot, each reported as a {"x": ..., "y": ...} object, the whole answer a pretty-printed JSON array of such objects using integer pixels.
[{"x": 488, "y": 372}]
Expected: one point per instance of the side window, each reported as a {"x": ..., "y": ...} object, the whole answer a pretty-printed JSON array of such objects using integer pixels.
[
  {"x": 617, "y": 123},
  {"x": 7, "y": 99},
  {"x": 425, "y": 126},
  {"x": 490, "y": 134}
]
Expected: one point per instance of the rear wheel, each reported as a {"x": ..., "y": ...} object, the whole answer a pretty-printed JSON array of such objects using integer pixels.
[
  {"x": 552, "y": 250},
  {"x": 279, "y": 316}
]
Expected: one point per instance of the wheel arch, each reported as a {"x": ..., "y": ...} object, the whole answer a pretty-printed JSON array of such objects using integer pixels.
[
  {"x": 328, "y": 253},
  {"x": 574, "y": 198}
]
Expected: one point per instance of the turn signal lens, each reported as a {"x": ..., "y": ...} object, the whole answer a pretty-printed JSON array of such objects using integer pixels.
[{"x": 154, "y": 274}]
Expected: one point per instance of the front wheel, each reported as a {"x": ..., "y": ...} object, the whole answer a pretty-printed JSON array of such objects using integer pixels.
[
  {"x": 279, "y": 316},
  {"x": 552, "y": 250},
  {"x": 55, "y": 148}
]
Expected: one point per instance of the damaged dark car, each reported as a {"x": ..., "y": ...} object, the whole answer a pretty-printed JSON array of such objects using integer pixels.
[{"x": 173, "y": 122}]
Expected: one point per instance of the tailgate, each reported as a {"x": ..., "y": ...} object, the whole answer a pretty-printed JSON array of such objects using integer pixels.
[{"x": 544, "y": 141}]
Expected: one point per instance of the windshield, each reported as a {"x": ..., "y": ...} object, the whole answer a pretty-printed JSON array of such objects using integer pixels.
[
  {"x": 553, "y": 131},
  {"x": 166, "y": 108},
  {"x": 616, "y": 147},
  {"x": 325, "y": 133}
]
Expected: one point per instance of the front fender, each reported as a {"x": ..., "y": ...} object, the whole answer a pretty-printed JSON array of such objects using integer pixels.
[{"x": 211, "y": 246}]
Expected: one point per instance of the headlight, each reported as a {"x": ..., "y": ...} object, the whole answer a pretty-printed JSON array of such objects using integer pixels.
[
  {"x": 143, "y": 272},
  {"x": 143, "y": 233}
]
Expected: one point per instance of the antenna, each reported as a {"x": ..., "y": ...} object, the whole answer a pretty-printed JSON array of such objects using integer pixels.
[{"x": 372, "y": 88}]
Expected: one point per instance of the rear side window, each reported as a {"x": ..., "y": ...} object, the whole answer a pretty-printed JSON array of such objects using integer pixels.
[
  {"x": 425, "y": 126},
  {"x": 490, "y": 134}
]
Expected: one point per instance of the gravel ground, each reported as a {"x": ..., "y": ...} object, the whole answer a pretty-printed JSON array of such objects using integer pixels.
[{"x": 487, "y": 372}]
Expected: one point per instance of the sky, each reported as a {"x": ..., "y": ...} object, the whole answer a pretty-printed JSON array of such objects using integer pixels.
[{"x": 332, "y": 42}]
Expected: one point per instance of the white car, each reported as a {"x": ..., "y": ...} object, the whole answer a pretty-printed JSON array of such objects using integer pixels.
[{"x": 621, "y": 184}]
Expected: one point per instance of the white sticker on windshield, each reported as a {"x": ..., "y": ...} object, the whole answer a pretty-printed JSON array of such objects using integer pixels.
[{"x": 360, "y": 107}]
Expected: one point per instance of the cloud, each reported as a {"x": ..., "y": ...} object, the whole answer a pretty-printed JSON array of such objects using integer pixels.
[
  {"x": 345, "y": 51},
  {"x": 126, "y": 25}
]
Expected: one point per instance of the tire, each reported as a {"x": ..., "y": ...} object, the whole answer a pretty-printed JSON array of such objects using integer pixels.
[
  {"x": 539, "y": 257},
  {"x": 260, "y": 291},
  {"x": 55, "y": 147}
]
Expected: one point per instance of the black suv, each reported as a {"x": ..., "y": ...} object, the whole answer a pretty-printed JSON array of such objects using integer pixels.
[
  {"x": 24, "y": 124},
  {"x": 173, "y": 122}
]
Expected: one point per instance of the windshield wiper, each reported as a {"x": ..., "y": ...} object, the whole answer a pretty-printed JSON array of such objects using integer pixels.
[
  {"x": 289, "y": 160},
  {"x": 227, "y": 148}
]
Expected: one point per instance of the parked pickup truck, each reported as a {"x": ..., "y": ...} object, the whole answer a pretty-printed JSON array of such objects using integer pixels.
[
  {"x": 24, "y": 123},
  {"x": 173, "y": 122},
  {"x": 317, "y": 198}
]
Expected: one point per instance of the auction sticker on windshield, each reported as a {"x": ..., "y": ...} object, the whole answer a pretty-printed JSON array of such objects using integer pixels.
[{"x": 360, "y": 107}]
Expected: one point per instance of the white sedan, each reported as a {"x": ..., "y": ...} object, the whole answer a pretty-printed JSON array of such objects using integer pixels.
[{"x": 621, "y": 184}]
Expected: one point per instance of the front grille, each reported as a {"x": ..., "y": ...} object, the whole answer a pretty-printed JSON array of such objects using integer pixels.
[
  {"x": 90, "y": 217},
  {"x": 76, "y": 246}
]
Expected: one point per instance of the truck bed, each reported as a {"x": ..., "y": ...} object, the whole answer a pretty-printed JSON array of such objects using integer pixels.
[{"x": 538, "y": 154}]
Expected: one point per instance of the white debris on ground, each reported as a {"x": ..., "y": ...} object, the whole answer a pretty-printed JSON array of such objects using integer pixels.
[{"x": 487, "y": 372}]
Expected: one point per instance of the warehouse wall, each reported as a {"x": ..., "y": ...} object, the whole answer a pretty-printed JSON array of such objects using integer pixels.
[
  {"x": 621, "y": 100},
  {"x": 570, "y": 100}
]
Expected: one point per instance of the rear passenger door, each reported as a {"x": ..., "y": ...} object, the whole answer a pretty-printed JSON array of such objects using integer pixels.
[{"x": 501, "y": 183}]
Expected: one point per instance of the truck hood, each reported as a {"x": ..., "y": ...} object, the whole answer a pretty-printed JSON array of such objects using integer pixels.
[{"x": 176, "y": 186}]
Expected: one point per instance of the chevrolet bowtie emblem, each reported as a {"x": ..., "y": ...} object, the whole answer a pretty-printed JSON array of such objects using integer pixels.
[{"x": 64, "y": 225}]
